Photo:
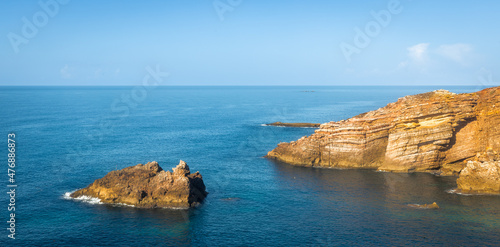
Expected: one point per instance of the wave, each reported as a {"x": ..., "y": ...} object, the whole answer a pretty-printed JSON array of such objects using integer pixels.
[
  {"x": 268, "y": 125},
  {"x": 420, "y": 206},
  {"x": 94, "y": 200},
  {"x": 458, "y": 192},
  {"x": 91, "y": 200},
  {"x": 86, "y": 199}
]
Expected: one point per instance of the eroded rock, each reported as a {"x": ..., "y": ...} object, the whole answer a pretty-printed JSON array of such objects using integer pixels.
[
  {"x": 480, "y": 177},
  {"x": 148, "y": 186}
]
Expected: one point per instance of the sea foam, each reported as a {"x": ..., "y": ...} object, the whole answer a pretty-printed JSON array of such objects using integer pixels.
[
  {"x": 456, "y": 191},
  {"x": 86, "y": 199},
  {"x": 93, "y": 200}
]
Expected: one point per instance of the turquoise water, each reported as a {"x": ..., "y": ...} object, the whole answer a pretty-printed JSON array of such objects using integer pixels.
[{"x": 69, "y": 136}]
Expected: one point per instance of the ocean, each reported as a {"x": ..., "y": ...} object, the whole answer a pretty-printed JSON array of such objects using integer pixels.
[{"x": 66, "y": 137}]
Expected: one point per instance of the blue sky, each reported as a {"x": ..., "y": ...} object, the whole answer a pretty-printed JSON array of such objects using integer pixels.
[{"x": 251, "y": 42}]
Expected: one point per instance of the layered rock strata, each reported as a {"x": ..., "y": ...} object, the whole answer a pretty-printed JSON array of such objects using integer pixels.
[
  {"x": 148, "y": 186},
  {"x": 436, "y": 132}
]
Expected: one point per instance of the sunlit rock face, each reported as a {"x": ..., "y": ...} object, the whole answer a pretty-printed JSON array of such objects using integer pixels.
[
  {"x": 435, "y": 132},
  {"x": 148, "y": 186},
  {"x": 481, "y": 175}
]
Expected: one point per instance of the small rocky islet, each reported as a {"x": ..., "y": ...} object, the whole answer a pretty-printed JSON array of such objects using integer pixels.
[
  {"x": 294, "y": 125},
  {"x": 148, "y": 186},
  {"x": 434, "y": 205}
]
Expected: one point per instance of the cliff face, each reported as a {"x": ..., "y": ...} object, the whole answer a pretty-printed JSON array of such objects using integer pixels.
[
  {"x": 436, "y": 132},
  {"x": 148, "y": 186}
]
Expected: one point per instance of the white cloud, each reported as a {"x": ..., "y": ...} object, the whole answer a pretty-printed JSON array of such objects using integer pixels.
[
  {"x": 98, "y": 73},
  {"x": 418, "y": 53},
  {"x": 402, "y": 64},
  {"x": 418, "y": 57},
  {"x": 65, "y": 72},
  {"x": 455, "y": 52}
]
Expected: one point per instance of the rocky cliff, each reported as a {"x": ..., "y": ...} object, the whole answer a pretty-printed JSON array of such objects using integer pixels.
[
  {"x": 148, "y": 186},
  {"x": 432, "y": 132}
]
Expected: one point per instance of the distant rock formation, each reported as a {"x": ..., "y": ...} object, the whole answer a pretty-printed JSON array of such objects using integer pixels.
[
  {"x": 297, "y": 125},
  {"x": 434, "y": 132},
  {"x": 148, "y": 186},
  {"x": 424, "y": 206},
  {"x": 481, "y": 176}
]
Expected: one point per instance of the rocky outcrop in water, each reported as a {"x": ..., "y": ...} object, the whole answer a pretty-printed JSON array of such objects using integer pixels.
[
  {"x": 424, "y": 206},
  {"x": 481, "y": 176},
  {"x": 432, "y": 132},
  {"x": 296, "y": 125},
  {"x": 148, "y": 186}
]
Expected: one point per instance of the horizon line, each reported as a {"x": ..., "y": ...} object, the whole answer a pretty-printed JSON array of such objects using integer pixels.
[{"x": 195, "y": 85}]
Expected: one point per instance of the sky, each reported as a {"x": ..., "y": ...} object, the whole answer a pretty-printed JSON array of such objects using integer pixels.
[{"x": 250, "y": 42}]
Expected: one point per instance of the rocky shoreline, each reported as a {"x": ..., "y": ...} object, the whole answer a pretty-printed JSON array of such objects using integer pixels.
[
  {"x": 148, "y": 186},
  {"x": 438, "y": 132}
]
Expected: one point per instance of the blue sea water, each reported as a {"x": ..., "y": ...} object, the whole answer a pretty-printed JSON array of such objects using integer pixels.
[{"x": 67, "y": 137}]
